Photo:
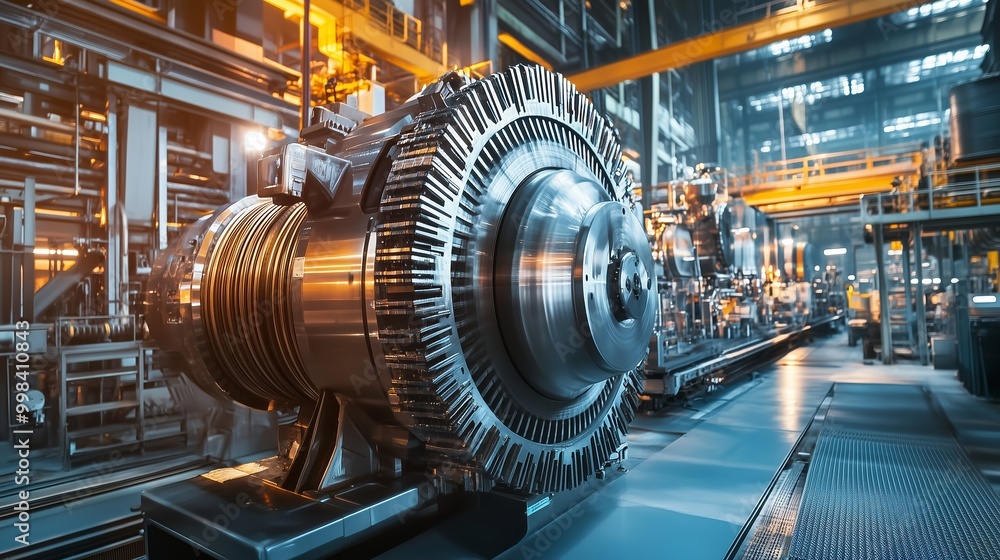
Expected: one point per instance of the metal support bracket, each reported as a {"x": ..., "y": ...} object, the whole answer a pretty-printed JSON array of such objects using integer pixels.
[{"x": 301, "y": 173}]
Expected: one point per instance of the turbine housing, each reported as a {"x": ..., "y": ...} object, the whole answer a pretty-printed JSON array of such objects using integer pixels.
[{"x": 467, "y": 272}]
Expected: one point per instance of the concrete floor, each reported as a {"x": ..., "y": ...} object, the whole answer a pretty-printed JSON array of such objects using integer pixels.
[
  {"x": 689, "y": 499},
  {"x": 697, "y": 473}
]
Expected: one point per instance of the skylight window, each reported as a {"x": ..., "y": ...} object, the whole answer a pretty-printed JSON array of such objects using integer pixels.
[
  {"x": 812, "y": 92},
  {"x": 951, "y": 62},
  {"x": 934, "y": 9}
]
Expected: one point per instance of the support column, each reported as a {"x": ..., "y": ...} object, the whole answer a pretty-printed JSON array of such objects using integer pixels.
[
  {"x": 305, "y": 60},
  {"x": 649, "y": 161},
  {"x": 918, "y": 248},
  {"x": 9, "y": 289},
  {"x": 715, "y": 117},
  {"x": 239, "y": 171},
  {"x": 562, "y": 22},
  {"x": 162, "y": 216},
  {"x": 852, "y": 261},
  {"x": 112, "y": 265},
  {"x": 670, "y": 128},
  {"x": 950, "y": 237},
  {"x": 908, "y": 290},
  {"x": 28, "y": 252},
  {"x": 883, "y": 294},
  {"x": 489, "y": 32},
  {"x": 649, "y": 122},
  {"x": 877, "y": 107},
  {"x": 749, "y": 151}
]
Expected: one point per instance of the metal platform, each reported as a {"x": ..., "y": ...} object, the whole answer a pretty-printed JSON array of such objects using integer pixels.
[
  {"x": 888, "y": 480},
  {"x": 969, "y": 198},
  {"x": 726, "y": 356},
  {"x": 690, "y": 499},
  {"x": 830, "y": 182}
]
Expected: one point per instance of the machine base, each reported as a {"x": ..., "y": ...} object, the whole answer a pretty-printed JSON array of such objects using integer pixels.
[{"x": 229, "y": 514}]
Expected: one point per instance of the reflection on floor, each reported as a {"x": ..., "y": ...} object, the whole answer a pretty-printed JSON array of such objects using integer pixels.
[{"x": 689, "y": 499}]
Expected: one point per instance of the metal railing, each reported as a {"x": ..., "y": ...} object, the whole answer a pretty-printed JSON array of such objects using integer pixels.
[
  {"x": 399, "y": 25},
  {"x": 828, "y": 165},
  {"x": 770, "y": 8},
  {"x": 969, "y": 188}
]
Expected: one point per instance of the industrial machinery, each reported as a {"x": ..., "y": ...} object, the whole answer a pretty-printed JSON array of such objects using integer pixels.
[
  {"x": 864, "y": 313},
  {"x": 455, "y": 296},
  {"x": 979, "y": 336},
  {"x": 956, "y": 210},
  {"x": 696, "y": 248},
  {"x": 728, "y": 289},
  {"x": 975, "y": 158}
]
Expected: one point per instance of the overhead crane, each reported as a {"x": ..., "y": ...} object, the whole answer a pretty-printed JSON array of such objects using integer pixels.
[
  {"x": 823, "y": 182},
  {"x": 807, "y": 16}
]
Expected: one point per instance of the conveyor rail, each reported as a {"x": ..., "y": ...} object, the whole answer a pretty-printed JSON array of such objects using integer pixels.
[{"x": 673, "y": 380}]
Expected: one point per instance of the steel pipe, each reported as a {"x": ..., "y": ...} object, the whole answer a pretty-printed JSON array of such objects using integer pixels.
[
  {"x": 184, "y": 150},
  {"x": 64, "y": 281},
  {"x": 203, "y": 192},
  {"x": 36, "y": 121},
  {"x": 53, "y": 168},
  {"x": 48, "y": 188}
]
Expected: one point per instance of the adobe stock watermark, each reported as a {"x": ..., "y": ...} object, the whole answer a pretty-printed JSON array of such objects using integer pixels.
[
  {"x": 23, "y": 415},
  {"x": 21, "y": 39},
  {"x": 222, "y": 8}
]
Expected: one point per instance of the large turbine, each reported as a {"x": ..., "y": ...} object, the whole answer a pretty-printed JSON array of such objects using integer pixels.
[{"x": 468, "y": 268}]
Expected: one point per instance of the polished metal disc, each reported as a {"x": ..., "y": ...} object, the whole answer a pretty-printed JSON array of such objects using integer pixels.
[
  {"x": 617, "y": 291},
  {"x": 492, "y": 357},
  {"x": 678, "y": 252},
  {"x": 713, "y": 236}
]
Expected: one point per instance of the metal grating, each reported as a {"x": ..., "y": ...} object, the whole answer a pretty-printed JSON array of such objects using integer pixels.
[
  {"x": 770, "y": 540},
  {"x": 896, "y": 489},
  {"x": 132, "y": 549}
]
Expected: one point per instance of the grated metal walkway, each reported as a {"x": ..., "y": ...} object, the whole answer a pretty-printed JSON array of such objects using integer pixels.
[
  {"x": 770, "y": 541},
  {"x": 889, "y": 481},
  {"x": 689, "y": 500}
]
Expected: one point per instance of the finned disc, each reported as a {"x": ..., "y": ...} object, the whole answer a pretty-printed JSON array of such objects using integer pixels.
[{"x": 439, "y": 255}]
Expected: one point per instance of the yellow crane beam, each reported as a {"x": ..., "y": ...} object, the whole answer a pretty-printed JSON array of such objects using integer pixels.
[
  {"x": 816, "y": 205},
  {"x": 524, "y": 50},
  {"x": 833, "y": 179},
  {"x": 847, "y": 190},
  {"x": 792, "y": 22}
]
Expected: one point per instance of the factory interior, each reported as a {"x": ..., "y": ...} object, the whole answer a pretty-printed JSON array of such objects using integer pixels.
[{"x": 517, "y": 279}]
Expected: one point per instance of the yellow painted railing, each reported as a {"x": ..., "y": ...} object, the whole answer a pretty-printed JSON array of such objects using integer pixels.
[
  {"x": 823, "y": 169},
  {"x": 394, "y": 35},
  {"x": 392, "y": 21}
]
